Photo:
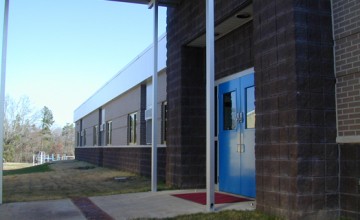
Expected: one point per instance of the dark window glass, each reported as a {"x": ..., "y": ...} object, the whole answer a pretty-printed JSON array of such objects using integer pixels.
[
  {"x": 109, "y": 133},
  {"x": 95, "y": 135},
  {"x": 132, "y": 128},
  {"x": 229, "y": 104}
]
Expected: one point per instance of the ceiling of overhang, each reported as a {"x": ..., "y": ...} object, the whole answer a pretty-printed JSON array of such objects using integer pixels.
[
  {"x": 238, "y": 19},
  {"x": 146, "y": 2}
]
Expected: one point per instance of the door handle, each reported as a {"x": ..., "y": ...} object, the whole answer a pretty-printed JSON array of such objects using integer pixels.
[{"x": 242, "y": 148}]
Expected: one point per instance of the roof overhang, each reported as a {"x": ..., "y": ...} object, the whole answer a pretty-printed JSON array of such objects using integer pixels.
[
  {"x": 238, "y": 19},
  {"x": 166, "y": 3}
]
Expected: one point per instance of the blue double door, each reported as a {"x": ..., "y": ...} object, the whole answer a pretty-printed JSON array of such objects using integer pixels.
[{"x": 237, "y": 136}]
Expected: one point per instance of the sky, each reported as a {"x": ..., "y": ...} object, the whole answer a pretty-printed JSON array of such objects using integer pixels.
[{"x": 60, "y": 52}]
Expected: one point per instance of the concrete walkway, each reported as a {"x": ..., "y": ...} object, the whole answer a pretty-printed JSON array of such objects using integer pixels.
[{"x": 123, "y": 206}]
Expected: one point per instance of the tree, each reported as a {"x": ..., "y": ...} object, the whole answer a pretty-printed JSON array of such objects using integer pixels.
[
  {"x": 68, "y": 137},
  {"x": 47, "y": 119},
  {"x": 27, "y": 131},
  {"x": 19, "y": 128}
]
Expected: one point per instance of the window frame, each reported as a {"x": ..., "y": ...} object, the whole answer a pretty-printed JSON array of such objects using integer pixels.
[
  {"x": 132, "y": 124},
  {"x": 248, "y": 117},
  {"x": 95, "y": 135},
  {"x": 78, "y": 136},
  {"x": 84, "y": 137},
  {"x": 109, "y": 133}
]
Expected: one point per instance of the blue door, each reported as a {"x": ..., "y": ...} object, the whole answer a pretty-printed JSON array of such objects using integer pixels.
[{"x": 237, "y": 136}]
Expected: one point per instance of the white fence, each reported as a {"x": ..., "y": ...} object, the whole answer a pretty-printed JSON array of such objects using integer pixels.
[{"x": 41, "y": 157}]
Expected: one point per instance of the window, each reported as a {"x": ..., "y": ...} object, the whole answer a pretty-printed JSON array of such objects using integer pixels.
[
  {"x": 132, "y": 128},
  {"x": 95, "y": 135},
  {"x": 84, "y": 137},
  {"x": 149, "y": 131},
  {"x": 109, "y": 133},
  {"x": 164, "y": 122},
  {"x": 78, "y": 139},
  {"x": 250, "y": 107},
  {"x": 229, "y": 114}
]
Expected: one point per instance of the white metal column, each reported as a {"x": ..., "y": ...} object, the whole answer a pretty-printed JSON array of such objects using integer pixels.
[
  {"x": 2, "y": 92},
  {"x": 154, "y": 104},
  {"x": 210, "y": 70}
]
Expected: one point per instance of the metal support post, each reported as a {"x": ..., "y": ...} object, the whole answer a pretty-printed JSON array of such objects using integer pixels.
[
  {"x": 210, "y": 70},
  {"x": 154, "y": 104},
  {"x": 2, "y": 92}
]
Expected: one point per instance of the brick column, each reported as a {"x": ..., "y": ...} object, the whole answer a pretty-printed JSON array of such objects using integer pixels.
[
  {"x": 186, "y": 132},
  {"x": 296, "y": 154}
]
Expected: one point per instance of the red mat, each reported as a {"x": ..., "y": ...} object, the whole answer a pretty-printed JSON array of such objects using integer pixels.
[{"x": 219, "y": 198}]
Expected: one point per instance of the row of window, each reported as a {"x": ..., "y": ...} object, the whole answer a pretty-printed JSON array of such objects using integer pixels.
[{"x": 131, "y": 130}]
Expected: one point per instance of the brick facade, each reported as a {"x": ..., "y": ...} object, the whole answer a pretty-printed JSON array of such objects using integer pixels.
[
  {"x": 347, "y": 61},
  {"x": 347, "y": 57},
  {"x": 186, "y": 86},
  {"x": 136, "y": 160},
  {"x": 301, "y": 171},
  {"x": 119, "y": 154},
  {"x": 296, "y": 153}
]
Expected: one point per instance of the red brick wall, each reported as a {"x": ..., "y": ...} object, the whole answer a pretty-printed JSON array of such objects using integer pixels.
[
  {"x": 132, "y": 159},
  {"x": 347, "y": 57}
]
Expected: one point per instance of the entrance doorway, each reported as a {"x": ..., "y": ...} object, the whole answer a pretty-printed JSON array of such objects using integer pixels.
[{"x": 237, "y": 136}]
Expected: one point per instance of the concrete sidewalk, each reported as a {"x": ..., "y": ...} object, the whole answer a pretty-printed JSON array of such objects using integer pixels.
[{"x": 122, "y": 206}]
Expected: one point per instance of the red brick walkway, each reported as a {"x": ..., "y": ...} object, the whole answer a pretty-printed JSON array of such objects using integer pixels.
[{"x": 90, "y": 210}]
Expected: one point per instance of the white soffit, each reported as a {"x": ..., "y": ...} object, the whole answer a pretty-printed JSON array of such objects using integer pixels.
[
  {"x": 238, "y": 19},
  {"x": 137, "y": 71}
]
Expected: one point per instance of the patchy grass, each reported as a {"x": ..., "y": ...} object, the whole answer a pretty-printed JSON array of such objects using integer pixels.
[
  {"x": 230, "y": 214},
  {"x": 14, "y": 166},
  {"x": 71, "y": 179},
  {"x": 27, "y": 170}
]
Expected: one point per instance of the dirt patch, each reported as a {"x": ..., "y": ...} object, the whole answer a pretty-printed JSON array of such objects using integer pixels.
[
  {"x": 68, "y": 181},
  {"x": 85, "y": 168}
]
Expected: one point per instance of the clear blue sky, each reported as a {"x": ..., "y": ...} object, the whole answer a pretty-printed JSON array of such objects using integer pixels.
[{"x": 61, "y": 51}]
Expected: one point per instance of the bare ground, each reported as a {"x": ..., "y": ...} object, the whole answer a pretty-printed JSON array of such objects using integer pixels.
[{"x": 70, "y": 179}]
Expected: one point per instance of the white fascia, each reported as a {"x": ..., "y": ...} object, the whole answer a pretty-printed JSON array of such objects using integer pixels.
[{"x": 138, "y": 70}]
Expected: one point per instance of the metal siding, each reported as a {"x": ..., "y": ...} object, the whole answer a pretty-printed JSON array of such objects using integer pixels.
[{"x": 133, "y": 74}]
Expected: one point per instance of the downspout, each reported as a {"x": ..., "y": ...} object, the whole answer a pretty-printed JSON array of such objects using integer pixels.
[{"x": 336, "y": 112}]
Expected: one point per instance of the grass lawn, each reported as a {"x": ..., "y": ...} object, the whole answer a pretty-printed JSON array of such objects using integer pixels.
[
  {"x": 69, "y": 179},
  {"x": 27, "y": 170},
  {"x": 232, "y": 214},
  {"x": 14, "y": 166},
  {"x": 66, "y": 179}
]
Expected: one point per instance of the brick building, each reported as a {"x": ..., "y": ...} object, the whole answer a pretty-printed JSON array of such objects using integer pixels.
[{"x": 298, "y": 61}]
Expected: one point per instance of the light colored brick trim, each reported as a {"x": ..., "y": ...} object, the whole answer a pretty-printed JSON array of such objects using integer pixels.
[
  {"x": 348, "y": 139},
  {"x": 120, "y": 146}
]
